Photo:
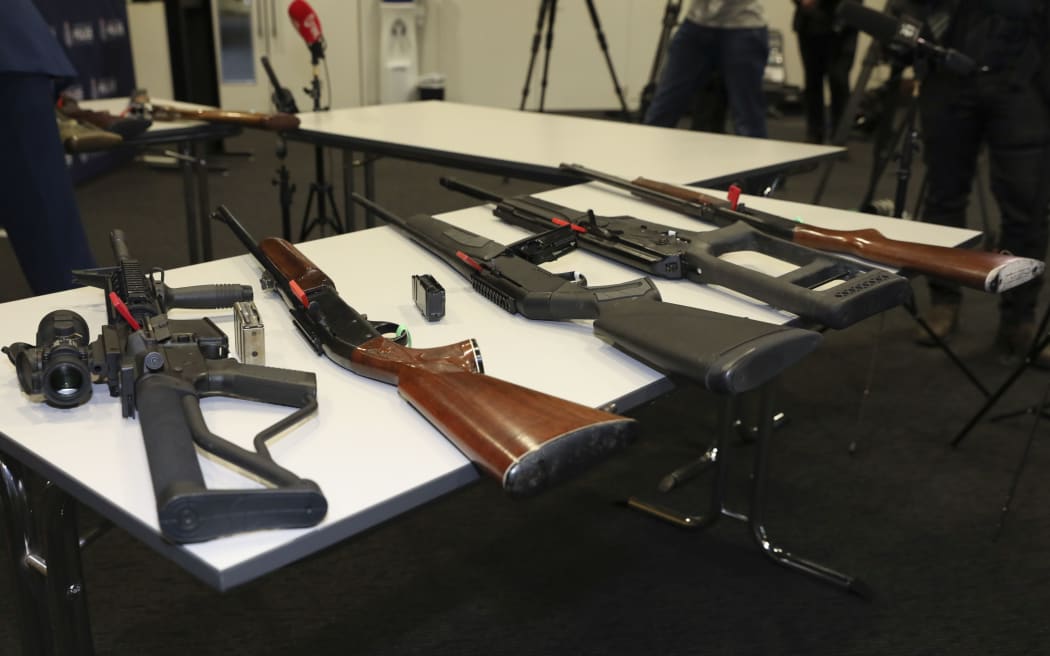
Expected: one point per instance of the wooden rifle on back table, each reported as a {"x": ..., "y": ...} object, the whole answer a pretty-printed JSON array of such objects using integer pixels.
[
  {"x": 987, "y": 271},
  {"x": 141, "y": 105}
]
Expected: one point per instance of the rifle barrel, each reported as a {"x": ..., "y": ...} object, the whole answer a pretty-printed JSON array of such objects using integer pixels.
[
  {"x": 469, "y": 189},
  {"x": 222, "y": 213},
  {"x": 689, "y": 202},
  {"x": 379, "y": 210}
]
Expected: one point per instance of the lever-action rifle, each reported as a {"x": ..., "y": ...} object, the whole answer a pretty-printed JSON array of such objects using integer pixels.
[
  {"x": 669, "y": 252},
  {"x": 141, "y": 106},
  {"x": 723, "y": 353},
  {"x": 162, "y": 367},
  {"x": 983, "y": 270},
  {"x": 526, "y": 439}
]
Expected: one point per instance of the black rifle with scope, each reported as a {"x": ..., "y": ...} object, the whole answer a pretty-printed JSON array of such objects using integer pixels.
[
  {"x": 160, "y": 368},
  {"x": 725, "y": 354}
]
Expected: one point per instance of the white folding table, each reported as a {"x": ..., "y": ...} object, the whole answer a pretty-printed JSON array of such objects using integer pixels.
[
  {"x": 531, "y": 145},
  {"x": 372, "y": 455}
]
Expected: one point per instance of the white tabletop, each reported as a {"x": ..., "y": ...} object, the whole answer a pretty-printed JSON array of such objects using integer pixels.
[
  {"x": 533, "y": 143},
  {"x": 373, "y": 456}
]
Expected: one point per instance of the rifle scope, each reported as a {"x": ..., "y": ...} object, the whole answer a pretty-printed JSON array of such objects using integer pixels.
[{"x": 58, "y": 367}]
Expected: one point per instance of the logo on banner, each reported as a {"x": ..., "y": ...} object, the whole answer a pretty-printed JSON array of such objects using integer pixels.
[
  {"x": 103, "y": 87},
  {"x": 111, "y": 28},
  {"x": 78, "y": 34}
]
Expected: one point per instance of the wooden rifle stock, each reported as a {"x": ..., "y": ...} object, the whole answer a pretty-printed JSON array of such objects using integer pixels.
[
  {"x": 525, "y": 438},
  {"x": 277, "y": 121},
  {"x": 984, "y": 270},
  {"x": 290, "y": 263}
]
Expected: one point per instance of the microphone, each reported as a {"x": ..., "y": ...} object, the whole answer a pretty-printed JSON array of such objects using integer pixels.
[
  {"x": 903, "y": 35},
  {"x": 309, "y": 25}
]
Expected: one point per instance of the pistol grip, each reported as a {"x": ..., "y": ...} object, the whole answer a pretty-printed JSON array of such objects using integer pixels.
[{"x": 228, "y": 377}]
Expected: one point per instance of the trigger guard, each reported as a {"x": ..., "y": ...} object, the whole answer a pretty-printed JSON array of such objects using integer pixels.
[{"x": 386, "y": 328}]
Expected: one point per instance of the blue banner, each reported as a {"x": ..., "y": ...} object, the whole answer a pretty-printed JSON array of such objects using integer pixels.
[{"x": 95, "y": 36}]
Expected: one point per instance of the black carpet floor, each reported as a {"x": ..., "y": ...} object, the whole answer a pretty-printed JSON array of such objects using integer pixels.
[{"x": 574, "y": 571}]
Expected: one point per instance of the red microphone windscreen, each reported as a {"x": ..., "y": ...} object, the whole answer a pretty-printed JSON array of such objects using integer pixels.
[{"x": 306, "y": 21}]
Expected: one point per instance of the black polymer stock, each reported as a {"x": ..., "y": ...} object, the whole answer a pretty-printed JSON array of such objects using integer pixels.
[
  {"x": 162, "y": 367},
  {"x": 723, "y": 353},
  {"x": 664, "y": 251}
]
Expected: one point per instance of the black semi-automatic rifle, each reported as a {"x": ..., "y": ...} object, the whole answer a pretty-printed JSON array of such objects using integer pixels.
[
  {"x": 723, "y": 353},
  {"x": 161, "y": 368},
  {"x": 983, "y": 270},
  {"x": 826, "y": 290},
  {"x": 525, "y": 439}
]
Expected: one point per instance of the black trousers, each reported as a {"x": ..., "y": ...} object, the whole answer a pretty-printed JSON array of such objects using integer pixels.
[
  {"x": 37, "y": 205},
  {"x": 959, "y": 115},
  {"x": 825, "y": 56}
]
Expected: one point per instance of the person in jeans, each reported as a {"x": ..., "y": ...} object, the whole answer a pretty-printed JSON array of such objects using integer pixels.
[
  {"x": 827, "y": 49},
  {"x": 725, "y": 36}
]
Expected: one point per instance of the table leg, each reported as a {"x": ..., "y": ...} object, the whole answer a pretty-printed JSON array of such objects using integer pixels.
[
  {"x": 18, "y": 525},
  {"x": 370, "y": 189},
  {"x": 203, "y": 199},
  {"x": 766, "y": 418},
  {"x": 759, "y": 480},
  {"x": 41, "y": 526},
  {"x": 188, "y": 196},
  {"x": 716, "y": 507},
  {"x": 348, "y": 189}
]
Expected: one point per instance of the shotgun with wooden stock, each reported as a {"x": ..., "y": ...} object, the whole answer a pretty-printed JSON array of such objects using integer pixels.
[
  {"x": 723, "y": 353},
  {"x": 983, "y": 270},
  {"x": 823, "y": 289},
  {"x": 526, "y": 439}
]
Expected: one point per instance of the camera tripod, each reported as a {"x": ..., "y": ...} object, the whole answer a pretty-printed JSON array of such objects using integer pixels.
[
  {"x": 320, "y": 188},
  {"x": 548, "y": 9},
  {"x": 284, "y": 101}
]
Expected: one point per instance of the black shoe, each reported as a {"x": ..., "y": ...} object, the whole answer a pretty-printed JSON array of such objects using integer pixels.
[
  {"x": 1016, "y": 339},
  {"x": 942, "y": 320}
]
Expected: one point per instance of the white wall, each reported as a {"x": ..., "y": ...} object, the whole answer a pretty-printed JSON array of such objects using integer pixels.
[
  {"x": 778, "y": 15},
  {"x": 149, "y": 47},
  {"x": 483, "y": 49}
]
